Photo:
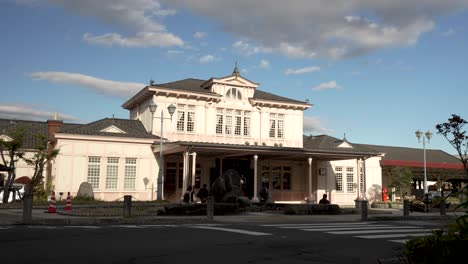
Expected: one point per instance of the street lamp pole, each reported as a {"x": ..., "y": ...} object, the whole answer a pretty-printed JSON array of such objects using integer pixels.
[
  {"x": 427, "y": 136},
  {"x": 171, "y": 109}
]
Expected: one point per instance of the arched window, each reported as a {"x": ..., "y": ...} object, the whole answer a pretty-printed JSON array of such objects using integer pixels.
[{"x": 233, "y": 93}]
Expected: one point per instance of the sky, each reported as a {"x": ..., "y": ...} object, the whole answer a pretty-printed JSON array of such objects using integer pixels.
[{"x": 376, "y": 71}]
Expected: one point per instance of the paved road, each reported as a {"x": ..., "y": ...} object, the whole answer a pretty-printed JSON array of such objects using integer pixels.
[{"x": 353, "y": 242}]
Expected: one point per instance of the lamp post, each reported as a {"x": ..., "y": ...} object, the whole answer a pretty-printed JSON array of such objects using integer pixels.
[
  {"x": 425, "y": 137},
  {"x": 171, "y": 109}
]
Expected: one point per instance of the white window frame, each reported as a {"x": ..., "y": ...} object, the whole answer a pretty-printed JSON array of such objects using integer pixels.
[
  {"x": 112, "y": 174},
  {"x": 233, "y": 122},
  {"x": 276, "y": 127},
  {"x": 130, "y": 173},
  {"x": 94, "y": 171},
  {"x": 185, "y": 118}
]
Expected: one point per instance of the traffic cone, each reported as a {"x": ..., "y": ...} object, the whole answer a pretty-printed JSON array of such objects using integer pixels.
[
  {"x": 52, "y": 204},
  {"x": 68, "y": 205}
]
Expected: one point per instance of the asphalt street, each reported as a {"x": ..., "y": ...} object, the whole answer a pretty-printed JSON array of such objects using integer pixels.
[{"x": 352, "y": 242}]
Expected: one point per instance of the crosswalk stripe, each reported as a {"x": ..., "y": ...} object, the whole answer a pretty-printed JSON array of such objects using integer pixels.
[
  {"x": 377, "y": 231},
  {"x": 85, "y": 227},
  {"x": 391, "y": 236},
  {"x": 357, "y": 228},
  {"x": 400, "y": 240},
  {"x": 321, "y": 224},
  {"x": 240, "y": 231},
  {"x": 327, "y": 226}
]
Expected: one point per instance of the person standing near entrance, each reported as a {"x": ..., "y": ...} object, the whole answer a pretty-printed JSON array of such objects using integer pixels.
[
  {"x": 324, "y": 200},
  {"x": 203, "y": 194},
  {"x": 188, "y": 196}
]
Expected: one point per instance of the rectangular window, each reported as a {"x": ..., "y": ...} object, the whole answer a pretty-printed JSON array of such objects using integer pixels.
[
  {"x": 191, "y": 118},
  {"x": 339, "y": 179},
  {"x": 280, "y": 126},
  {"x": 361, "y": 179},
  {"x": 280, "y": 177},
  {"x": 228, "y": 128},
  {"x": 238, "y": 125},
  {"x": 219, "y": 121},
  {"x": 185, "y": 118},
  {"x": 272, "y": 125},
  {"x": 247, "y": 123},
  {"x": 112, "y": 173},
  {"x": 350, "y": 179},
  {"x": 130, "y": 174},
  {"x": 180, "y": 117},
  {"x": 94, "y": 171}
]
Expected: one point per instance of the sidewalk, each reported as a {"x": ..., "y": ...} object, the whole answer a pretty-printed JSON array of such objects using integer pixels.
[{"x": 14, "y": 217}]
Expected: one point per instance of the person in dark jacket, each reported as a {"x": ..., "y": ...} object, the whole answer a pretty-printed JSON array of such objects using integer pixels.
[
  {"x": 203, "y": 194},
  {"x": 324, "y": 200}
]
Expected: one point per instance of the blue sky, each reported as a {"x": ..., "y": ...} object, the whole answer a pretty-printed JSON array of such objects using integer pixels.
[{"x": 375, "y": 70}]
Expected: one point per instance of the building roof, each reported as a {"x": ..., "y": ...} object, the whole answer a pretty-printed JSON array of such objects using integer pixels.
[
  {"x": 32, "y": 128},
  {"x": 414, "y": 157},
  {"x": 328, "y": 143},
  {"x": 129, "y": 128},
  {"x": 196, "y": 86}
]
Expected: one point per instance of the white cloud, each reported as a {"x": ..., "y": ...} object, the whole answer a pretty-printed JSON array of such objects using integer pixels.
[
  {"x": 448, "y": 33},
  {"x": 140, "y": 17},
  {"x": 207, "y": 58},
  {"x": 326, "y": 86},
  {"x": 199, "y": 35},
  {"x": 142, "y": 39},
  {"x": 107, "y": 87},
  {"x": 302, "y": 70},
  {"x": 264, "y": 64},
  {"x": 247, "y": 49},
  {"x": 315, "y": 125},
  {"x": 28, "y": 112},
  {"x": 322, "y": 28}
]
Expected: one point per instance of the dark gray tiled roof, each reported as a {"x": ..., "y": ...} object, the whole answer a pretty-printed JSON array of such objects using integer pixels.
[
  {"x": 194, "y": 85},
  {"x": 325, "y": 142},
  {"x": 32, "y": 128},
  {"x": 413, "y": 154},
  {"x": 132, "y": 129}
]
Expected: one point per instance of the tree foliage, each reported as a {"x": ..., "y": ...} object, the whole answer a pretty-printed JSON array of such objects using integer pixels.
[
  {"x": 401, "y": 179},
  {"x": 454, "y": 132},
  {"x": 39, "y": 161},
  {"x": 10, "y": 153}
]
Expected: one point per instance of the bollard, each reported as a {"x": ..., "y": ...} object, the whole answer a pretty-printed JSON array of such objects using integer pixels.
[
  {"x": 210, "y": 208},
  {"x": 443, "y": 209},
  {"x": 27, "y": 208},
  {"x": 364, "y": 212},
  {"x": 127, "y": 206},
  {"x": 406, "y": 207}
]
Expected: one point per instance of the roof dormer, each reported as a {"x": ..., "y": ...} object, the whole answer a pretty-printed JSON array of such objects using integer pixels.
[{"x": 225, "y": 86}]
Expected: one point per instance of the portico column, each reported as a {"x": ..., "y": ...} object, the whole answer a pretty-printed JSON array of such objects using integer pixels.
[
  {"x": 309, "y": 196},
  {"x": 358, "y": 174},
  {"x": 194, "y": 158},
  {"x": 364, "y": 179},
  {"x": 184, "y": 174},
  {"x": 255, "y": 189}
]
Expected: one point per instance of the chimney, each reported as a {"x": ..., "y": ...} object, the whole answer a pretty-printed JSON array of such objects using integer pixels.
[{"x": 53, "y": 126}]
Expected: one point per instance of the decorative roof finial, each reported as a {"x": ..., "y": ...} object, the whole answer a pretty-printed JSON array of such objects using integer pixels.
[
  {"x": 344, "y": 137},
  {"x": 151, "y": 82},
  {"x": 307, "y": 100},
  {"x": 236, "y": 71}
]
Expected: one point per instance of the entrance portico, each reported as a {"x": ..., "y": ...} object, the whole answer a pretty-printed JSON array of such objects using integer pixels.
[{"x": 290, "y": 174}]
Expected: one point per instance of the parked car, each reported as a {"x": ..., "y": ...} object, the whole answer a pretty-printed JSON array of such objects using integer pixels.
[{"x": 15, "y": 195}]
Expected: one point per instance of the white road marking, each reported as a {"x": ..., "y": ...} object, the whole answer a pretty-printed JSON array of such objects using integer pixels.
[
  {"x": 399, "y": 241},
  {"x": 358, "y": 228},
  {"x": 321, "y": 224},
  {"x": 158, "y": 226},
  {"x": 42, "y": 227},
  {"x": 390, "y": 236},
  {"x": 85, "y": 227},
  {"x": 240, "y": 231},
  {"x": 377, "y": 231},
  {"x": 128, "y": 226},
  {"x": 327, "y": 226}
]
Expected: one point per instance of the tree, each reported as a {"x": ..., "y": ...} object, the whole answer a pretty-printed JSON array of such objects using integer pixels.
[
  {"x": 39, "y": 160},
  {"x": 10, "y": 153},
  {"x": 401, "y": 179},
  {"x": 456, "y": 136}
]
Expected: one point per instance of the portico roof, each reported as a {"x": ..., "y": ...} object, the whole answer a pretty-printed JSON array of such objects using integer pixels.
[{"x": 217, "y": 150}]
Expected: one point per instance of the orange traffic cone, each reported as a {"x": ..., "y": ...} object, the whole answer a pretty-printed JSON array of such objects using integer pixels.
[
  {"x": 52, "y": 204},
  {"x": 68, "y": 205}
]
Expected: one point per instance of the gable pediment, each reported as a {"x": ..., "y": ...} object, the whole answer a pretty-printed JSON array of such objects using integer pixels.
[
  {"x": 113, "y": 129},
  {"x": 345, "y": 144},
  {"x": 233, "y": 80}
]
